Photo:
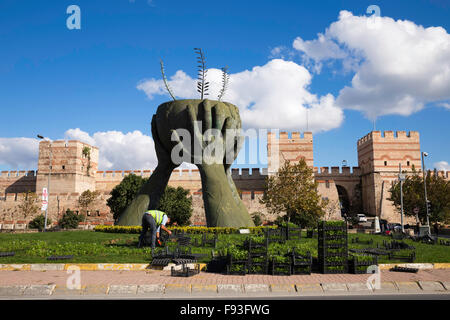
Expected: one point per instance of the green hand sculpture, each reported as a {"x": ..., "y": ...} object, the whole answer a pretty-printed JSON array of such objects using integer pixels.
[{"x": 212, "y": 142}]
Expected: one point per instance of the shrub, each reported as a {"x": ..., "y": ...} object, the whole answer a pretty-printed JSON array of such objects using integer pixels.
[
  {"x": 70, "y": 220},
  {"x": 177, "y": 204},
  {"x": 257, "y": 220},
  {"x": 38, "y": 222}
]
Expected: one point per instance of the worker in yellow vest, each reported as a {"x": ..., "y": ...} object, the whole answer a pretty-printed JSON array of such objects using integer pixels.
[{"x": 153, "y": 220}]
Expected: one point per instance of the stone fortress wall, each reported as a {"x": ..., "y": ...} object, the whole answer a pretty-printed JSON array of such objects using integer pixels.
[{"x": 378, "y": 158}]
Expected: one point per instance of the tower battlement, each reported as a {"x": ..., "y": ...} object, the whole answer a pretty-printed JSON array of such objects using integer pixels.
[
  {"x": 389, "y": 136},
  {"x": 283, "y": 135},
  {"x": 335, "y": 171}
]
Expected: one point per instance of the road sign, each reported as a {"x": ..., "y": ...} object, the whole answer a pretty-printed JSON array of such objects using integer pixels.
[
  {"x": 401, "y": 177},
  {"x": 44, "y": 199}
]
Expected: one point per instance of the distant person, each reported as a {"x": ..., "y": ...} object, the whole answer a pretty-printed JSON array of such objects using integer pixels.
[
  {"x": 153, "y": 220},
  {"x": 436, "y": 229}
]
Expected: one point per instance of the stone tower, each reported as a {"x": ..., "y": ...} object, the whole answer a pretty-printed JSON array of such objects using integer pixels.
[
  {"x": 284, "y": 149},
  {"x": 379, "y": 158},
  {"x": 74, "y": 165}
]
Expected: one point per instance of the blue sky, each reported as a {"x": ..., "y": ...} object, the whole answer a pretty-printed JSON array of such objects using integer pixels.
[{"x": 54, "y": 81}]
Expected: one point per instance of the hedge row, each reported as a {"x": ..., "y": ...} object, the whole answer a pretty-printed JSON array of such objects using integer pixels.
[{"x": 191, "y": 230}]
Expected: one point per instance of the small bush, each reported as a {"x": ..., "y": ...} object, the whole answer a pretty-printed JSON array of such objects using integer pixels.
[
  {"x": 38, "y": 222},
  {"x": 70, "y": 220},
  {"x": 257, "y": 220}
]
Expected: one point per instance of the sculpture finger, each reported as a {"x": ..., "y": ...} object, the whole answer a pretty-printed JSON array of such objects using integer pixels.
[
  {"x": 218, "y": 117},
  {"x": 193, "y": 123},
  {"x": 207, "y": 116},
  {"x": 158, "y": 145},
  {"x": 176, "y": 138}
]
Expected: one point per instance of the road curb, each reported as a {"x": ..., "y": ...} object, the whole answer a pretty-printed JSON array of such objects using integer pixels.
[{"x": 168, "y": 290}]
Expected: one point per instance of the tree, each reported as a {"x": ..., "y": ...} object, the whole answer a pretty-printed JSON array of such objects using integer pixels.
[
  {"x": 29, "y": 204},
  {"x": 293, "y": 190},
  {"x": 70, "y": 220},
  {"x": 87, "y": 200},
  {"x": 438, "y": 193},
  {"x": 123, "y": 194},
  {"x": 39, "y": 222},
  {"x": 176, "y": 203}
]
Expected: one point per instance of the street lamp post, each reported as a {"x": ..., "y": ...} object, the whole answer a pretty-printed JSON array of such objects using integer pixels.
[
  {"x": 401, "y": 177},
  {"x": 424, "y": 154},
  {"x": 48, "y": 182}
]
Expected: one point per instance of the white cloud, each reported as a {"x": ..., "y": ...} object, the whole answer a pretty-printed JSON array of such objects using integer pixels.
[
  {"x": 445, "y": 105},
  {"x": 121, "y": 151},
  {"x": 400, "y": 66},
  {"x": 118, "y": 150},
  {"x": 19, "y": 153},
  {"x": 442, "y": 166},
  {"x": 274, "y": 96}
]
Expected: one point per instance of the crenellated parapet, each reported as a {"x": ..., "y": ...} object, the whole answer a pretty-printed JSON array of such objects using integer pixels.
[
  {"x": 338, "y": 171},
  {"x": 390, "y": 136}
]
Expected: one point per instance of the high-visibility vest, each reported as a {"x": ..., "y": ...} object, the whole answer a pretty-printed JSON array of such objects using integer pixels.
[{"x": 157, "y": 215}]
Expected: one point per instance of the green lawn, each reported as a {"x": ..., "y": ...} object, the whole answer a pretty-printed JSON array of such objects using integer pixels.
[{"x": 99, "y": 247}]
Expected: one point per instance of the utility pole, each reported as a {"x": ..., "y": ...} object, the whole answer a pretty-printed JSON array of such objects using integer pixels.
[
  {"x": 424, "y": 154},
  {"x": 401, "y": 178},
  {"x": 48, "y": 182}
]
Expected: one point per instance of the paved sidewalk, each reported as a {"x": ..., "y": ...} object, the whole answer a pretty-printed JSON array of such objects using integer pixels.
[{"x": 154, "y": 283}]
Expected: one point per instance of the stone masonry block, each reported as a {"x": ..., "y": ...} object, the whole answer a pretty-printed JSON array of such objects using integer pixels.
[
  {"x": 256, "y": 288},
  {"x": 307, "y": 288},
  {"x": 334, "y": 287},
  {"x": 431, "y": 286},
  {"x": 150, "y": 289},
  {"x": 8, "y": 291},
  {"x": 39, "y": 290},
  {"x": 175, "y": 288},
  {"x": 408, "y": 286},
  {"x": 122, "y": 289},
  {"x": 228, "y": 289}
]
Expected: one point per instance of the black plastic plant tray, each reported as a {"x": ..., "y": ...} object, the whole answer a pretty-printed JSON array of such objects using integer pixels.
[
  {"x": 68, "y": 257},
  {"x": 184, "y": 241},
  {"x": 229, "y": 268},
  {"x": 368, "y": 242},
  {"x": 301, "y": 268},
  {"x": 404, "y": 269},
  {"x": 161, "y": 262},
  {"x": 286, "y": 269},
  {"x": 326, "y": 270},
  {"x": 7, "y": 254},
  {"x": 184, "y": 261},
  {"x": 407, "y": 258},
  {"x": 323, "y": 244}
]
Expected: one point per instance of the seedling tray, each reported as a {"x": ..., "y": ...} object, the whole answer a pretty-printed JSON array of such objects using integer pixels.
[
  {"x": 407, "y": 258},
  {"x": 68, "y": 257},
  {"x": 161, "y": 261},
  {"x": 368, "y": 242},
  {"x": 184, "y": 261},
  {"x": 7, "y": 254},
  {"x": 404, "y": 269},
  {"x": 280, "y": 268},
  {"x": 355, "y": 265}
]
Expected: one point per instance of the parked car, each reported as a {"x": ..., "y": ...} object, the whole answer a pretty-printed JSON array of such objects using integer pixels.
[{"x": 361, "y": 218}]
